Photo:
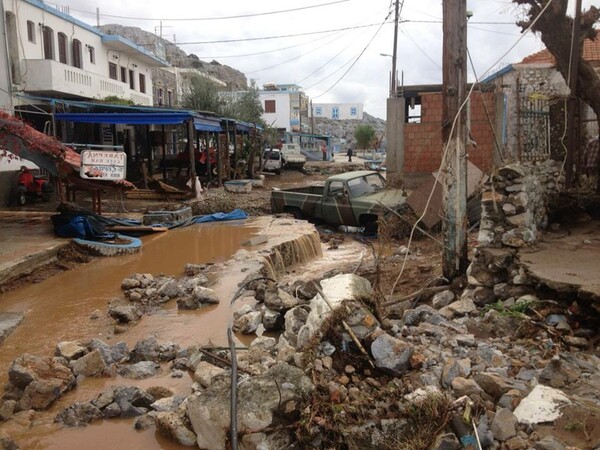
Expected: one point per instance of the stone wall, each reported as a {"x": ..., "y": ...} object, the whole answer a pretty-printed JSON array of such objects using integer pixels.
[{"x": 515, "y": 206}]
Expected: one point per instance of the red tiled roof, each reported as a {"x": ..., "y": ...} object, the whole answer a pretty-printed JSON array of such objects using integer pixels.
[{"x": 591, "y": 53}]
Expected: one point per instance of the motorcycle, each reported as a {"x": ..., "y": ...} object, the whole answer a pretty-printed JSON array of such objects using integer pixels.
[{"x": 31, "y": 187}]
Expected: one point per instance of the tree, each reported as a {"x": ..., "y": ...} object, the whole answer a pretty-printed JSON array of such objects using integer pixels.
[
  {"x": 364, "y": 135},
  {"x": 556, "y": 29},
  {"x": 203, "y": 95},
  {"x": 245, "y": 106}
]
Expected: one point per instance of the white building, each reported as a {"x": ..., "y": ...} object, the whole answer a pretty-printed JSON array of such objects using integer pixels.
[
  {"x": 284, "y": 105},
  {"x": 338, "y": 111},
  {"x": 183, "y": 80},
  {"x": 51, "y": 54}
]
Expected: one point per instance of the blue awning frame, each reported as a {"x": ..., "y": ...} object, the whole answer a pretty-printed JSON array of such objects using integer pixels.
[
  {"x": 206, "y": 124},
  {"x": 166, "y": 118}
]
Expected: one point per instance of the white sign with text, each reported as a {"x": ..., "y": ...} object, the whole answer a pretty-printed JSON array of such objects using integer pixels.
[{"x": 103, "y": 165}]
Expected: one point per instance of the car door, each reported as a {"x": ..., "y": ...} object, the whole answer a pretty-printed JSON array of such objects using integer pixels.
[{"x": 336, "y": 207}]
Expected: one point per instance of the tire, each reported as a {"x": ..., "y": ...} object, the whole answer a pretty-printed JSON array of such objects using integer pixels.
[
  {"x": 370, "y": 225},
  {"x": 21, "y": 198},
  {"x": 132, "y": 245}
]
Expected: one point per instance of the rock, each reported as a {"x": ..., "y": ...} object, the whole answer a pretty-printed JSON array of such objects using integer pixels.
[
  {"x": 483, "y": 296},
  {"x": 510, "y": 400},
  {"x": 191, "y": 270},
  {"x": 200, "y": 297},
  {"x": 280, "y": 301},
  {"x": 549, "y": 443},
  {"x": 144, "y": 422},
  {"x": 391, "y": 354},
  {"x": 159, "y": 392},
  {"x": 493, "y": 384},
  {"x": 442, "y": 299},
  {"x": 463, "y": 386},
  {"x": 462, "y": 307},
  {"x": 111, "y": 354},
  {"x": 454, "y": 368},
  {"x": 149, "y": 350},
  {"x": 558, "y": 373},
  {"x": 6, "y": 443},
  {"x": 205, "y": 373},
  {"x": 96, "y": 314},
  {"x": 111, "y": 411},
  {"x": 78, "y": 414},
  {"x": 361, "y": 321},
  {"x": 132, "y": 401},
  {"x": 90, "y": 365},
  {"x": 264, "y": 343},
  {"x": 542, "y": 405},
  {"x": 339, "y": 289},
  {"x": 7, "y": 409},
  {"x": 8, "y": 322},
  {"x": 172, "y": 426},
  {"x": 140, "y": 370},
  {"x": 504, "y": 425},
  {"x": 413, "y": 317},
  {"x": 248, "y": 323},
  {"x": 272, "y": 320},
  {"x": 466, "y": 340},
  {"x": 169, "y": 289},
  {"x": 295, "y": 319},
  {"x": 124, "y": 313},
  {"x": 168, "y": 404},
  {"x": 130, "y": 283},
  {"x": 259, "y": 404},
  {"x": 39, "y": 380},
  {"x": 70, "y": 350}
]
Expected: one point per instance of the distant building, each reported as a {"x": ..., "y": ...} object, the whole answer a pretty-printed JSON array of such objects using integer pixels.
[
  {"x": 172, "y": 95},
  {"x": 284, "y": 105},
  {"x": 338, "y": 111}
]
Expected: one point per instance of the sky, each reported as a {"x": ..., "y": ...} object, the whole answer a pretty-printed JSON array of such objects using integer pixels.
[{"x": 338, "y": 59}]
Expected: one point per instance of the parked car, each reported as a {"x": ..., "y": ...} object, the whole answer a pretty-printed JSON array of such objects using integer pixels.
[
  {"x": 352, "y": 198},
  {"x": 292, "y": 156},
  {"x": 272, "y": 161}
]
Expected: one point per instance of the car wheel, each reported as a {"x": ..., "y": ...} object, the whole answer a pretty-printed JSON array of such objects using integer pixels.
[{"x": 22, "y": 199}]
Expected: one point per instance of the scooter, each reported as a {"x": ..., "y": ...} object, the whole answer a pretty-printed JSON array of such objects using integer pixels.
[{"x": 33, "y": 187}]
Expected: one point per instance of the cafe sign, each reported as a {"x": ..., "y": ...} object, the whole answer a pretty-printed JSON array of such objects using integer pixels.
[{"x": 103, "y": 165}]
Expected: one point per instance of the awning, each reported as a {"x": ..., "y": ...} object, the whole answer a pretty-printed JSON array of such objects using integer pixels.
[
  {"x": 205, "y": 124},
  {"x": 166, "y": 118}
]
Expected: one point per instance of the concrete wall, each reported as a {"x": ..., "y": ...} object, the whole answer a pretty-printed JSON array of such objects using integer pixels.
[
  {"x": 423, "y": 141},
  {"x": 281, "y": 117}
]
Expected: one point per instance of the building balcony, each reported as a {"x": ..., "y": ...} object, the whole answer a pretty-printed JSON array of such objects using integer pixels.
[{"x": 51, "y": 78}]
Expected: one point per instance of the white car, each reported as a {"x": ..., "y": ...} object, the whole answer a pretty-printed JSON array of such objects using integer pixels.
[
  {"x": 292, "y": 156},
  {"x": 273, "y": 161}
]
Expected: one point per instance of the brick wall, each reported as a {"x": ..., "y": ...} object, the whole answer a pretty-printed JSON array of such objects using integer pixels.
[{"x": 423, "y": 141}]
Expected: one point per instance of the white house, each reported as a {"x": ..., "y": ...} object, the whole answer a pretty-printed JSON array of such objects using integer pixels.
[
  {"x": 183, "y": 80},
  {"x": 338, "y": 111},
  {"x": 49, "y": 53},
  {"x": 284, "y": 105}
]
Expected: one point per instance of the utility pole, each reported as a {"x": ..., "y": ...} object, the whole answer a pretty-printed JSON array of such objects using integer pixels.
[
  {"x": 98, "y": 17},
  {"x": 454, "y": 164},
  {"x": 573, "y": 104},
  {"x": 312, "y": 119},
  {"x": 394, "y": 90}
]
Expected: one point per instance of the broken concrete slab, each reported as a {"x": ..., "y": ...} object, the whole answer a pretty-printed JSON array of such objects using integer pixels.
[
  {"x": 8, "y": 322},
  {"x": 541, "y": 405}
]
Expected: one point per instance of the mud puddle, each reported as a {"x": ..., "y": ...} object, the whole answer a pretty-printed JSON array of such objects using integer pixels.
[{"x": 59, "y": 309}]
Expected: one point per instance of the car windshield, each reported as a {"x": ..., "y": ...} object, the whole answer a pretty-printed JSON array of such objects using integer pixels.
[{"x": 365, "y": 185}]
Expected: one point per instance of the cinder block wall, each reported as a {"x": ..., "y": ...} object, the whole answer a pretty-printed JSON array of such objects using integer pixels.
[{"x": 423, "y": 141}]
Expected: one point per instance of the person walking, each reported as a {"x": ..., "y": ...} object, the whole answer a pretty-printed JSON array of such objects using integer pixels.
[
  {"x": 349, "y": 154},
  {"x": 324, "y": 150}
]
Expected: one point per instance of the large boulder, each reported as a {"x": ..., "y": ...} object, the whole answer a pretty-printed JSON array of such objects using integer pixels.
[
  {"x": 175, "y": 428},
  {"x": 78, "y": 414},
  {"x": 90, "y": 365},
  {"x": 273, "y": 397},
  {"x": 39, "y": 381}
]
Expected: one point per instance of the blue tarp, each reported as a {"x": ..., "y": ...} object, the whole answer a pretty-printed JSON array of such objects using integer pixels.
[
  {"x": 236, "y": 214},
  {"x": 166, "y": 118}
]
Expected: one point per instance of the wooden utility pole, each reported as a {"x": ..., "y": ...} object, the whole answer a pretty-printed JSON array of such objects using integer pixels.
[
  {"x": 573, "y": 105},
  {"x": 454, "y": 164}
]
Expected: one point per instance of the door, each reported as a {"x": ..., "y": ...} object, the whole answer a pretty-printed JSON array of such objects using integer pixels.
[{"x": 336, "y": 207}]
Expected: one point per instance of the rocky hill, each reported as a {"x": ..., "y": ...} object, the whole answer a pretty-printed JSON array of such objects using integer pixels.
[
  {"x": 344, "y": 129},
  {"x": 235, "y": 79}
]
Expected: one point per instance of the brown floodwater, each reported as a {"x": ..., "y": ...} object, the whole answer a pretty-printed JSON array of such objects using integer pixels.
[{"x": 59, "y": 309}]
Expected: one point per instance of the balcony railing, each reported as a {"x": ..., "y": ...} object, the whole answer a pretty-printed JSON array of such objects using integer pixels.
[{"x": 51, "y": 77}]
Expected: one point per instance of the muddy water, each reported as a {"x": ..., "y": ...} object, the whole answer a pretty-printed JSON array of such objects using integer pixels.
[{"x": 60, "y": 307}]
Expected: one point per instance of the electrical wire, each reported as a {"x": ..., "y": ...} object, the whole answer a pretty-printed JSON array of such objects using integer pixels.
[
  {"x": 447, "y": 146},
  {"x": 198, "y": 19},
  {"x": 416, "y": 44}
]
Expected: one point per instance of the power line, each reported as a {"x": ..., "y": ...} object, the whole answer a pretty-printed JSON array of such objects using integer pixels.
[
  {"x": 421, "y": 49},
  {"x": 227, "y": 41},
  {"x": 197, "y": 19}
]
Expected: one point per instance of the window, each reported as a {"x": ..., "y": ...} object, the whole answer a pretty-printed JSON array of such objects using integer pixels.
[
  {"x": 335, "y": 112},
  {"x": 160, "y": 96},
  {"x": 353, "y": 111},
  {"x": 92, "y": 52},
  {"x": 142, "y": 83},
  {"x": 270, "y": 106},
  {"x": 48, "y": 38},
  {"x": 112, "y": 70},
  {"x": 169, "y": 98},
  {"x": 131, "y": 79},
  {"x": 318, "y": 111},
  {"x": 77, "y": 61},
  {"x": 62, "y": 48},
  {"x": 336, "y": 189},
  {"x": 31, "y": 31},
  {"x": 124, "y": 74}
]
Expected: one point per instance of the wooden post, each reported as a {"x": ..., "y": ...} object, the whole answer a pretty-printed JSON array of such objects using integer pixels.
[
  {"x": 454, "y": 165},
  {"x": 573, "y": 105},
  {"x": 190, "y": 140},
  {"x": 164, "y": 153},
  {"x": 219, "y": 163},
  {"x": 208, "y": 164}
]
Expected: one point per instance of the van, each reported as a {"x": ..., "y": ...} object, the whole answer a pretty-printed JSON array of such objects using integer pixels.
[{"x": 272, "y": 161}]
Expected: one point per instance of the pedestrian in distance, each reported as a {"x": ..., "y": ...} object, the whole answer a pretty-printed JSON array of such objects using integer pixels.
[{"x": 349, "y": 154}]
